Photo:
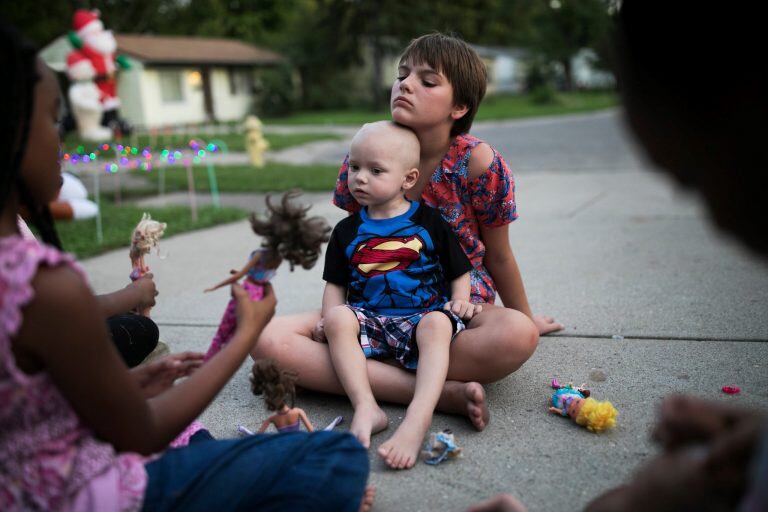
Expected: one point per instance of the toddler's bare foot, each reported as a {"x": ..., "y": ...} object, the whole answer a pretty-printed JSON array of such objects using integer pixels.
[
  {"x": 466, "y": 398},
  {"x": 368, "y": 419},
  {"x": 402, "y": 449},
  {"x": 368, "y": 495}
]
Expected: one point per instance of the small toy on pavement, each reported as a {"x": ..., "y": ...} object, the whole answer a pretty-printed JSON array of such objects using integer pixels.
[
  {"x": 575, "y": 402},
  {"x": 439, "y": 447}
]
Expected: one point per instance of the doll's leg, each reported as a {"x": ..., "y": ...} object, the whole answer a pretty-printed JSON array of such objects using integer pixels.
[
  {"x": 226, "y": 329},
  {"x": 433, "y": 337},
  {"x": 342, "y": 328}
]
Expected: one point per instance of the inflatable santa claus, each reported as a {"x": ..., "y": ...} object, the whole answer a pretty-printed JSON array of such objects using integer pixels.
[{"x": 93, "y": 65}]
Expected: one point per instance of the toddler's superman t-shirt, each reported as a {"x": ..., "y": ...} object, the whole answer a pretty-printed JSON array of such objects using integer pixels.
[{"x": 397, "y": 266}]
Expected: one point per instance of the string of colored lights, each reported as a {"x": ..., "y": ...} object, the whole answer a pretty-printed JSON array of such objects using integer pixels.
[{"x": 133, "y": 157}]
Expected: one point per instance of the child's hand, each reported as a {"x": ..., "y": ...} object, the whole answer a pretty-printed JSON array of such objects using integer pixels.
[
  {"x": 318, "y": 332},
  {"x": 155, "y": 377},
  {"x": 254, "y": 314},
  {"x": 146, "y": 290},
  {"x": 547, "y": 324},
  {"x": 499, "y": 503},
  {"x": 463, "y": 309}
]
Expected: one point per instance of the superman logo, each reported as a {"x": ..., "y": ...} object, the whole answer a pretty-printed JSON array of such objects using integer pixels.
[{"x": 381, "y": 255}]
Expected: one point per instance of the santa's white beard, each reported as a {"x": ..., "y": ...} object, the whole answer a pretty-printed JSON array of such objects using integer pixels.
[{"x": 103, "y": 42}]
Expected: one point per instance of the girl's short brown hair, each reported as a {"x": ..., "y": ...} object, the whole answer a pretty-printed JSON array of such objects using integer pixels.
[{"x": 460, "y": 64}]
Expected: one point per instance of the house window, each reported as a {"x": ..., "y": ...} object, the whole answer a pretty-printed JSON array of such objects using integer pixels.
[{"x": 170, "y": 86}]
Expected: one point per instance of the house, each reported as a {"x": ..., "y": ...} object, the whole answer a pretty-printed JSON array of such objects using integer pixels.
[
  {"x": 180, "y": 80},
  {"x": 507, "y": 68}
]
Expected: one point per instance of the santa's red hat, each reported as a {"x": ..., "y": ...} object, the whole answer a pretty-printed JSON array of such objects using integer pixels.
[{"x": 86, "y": 22}]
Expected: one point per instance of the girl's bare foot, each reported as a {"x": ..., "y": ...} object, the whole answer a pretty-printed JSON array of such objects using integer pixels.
[
  {"x": 467, "y": 398},
  {"x": 368, "y": 495},
  {"x": 402, "y": 449},
  {"x": 368, "y": 419}
]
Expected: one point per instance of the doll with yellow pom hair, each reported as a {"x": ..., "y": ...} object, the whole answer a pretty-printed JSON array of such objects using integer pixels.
[{"x": 576, "y": 403}]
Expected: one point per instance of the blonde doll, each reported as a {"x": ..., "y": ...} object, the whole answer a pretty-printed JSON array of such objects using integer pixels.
[{"x": 145, "y": 236}]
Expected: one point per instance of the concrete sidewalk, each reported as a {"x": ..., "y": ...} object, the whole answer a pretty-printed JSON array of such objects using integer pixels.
[{"x": 608, "y": 249}]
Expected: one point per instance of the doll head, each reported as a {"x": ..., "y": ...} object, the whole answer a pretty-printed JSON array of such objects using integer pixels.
[
  {"x": 146, "y": 235},
  {"x": 278, "y": 386},
  {"x": 289, "y": 234},
  {"x": 594, "y": 415}
]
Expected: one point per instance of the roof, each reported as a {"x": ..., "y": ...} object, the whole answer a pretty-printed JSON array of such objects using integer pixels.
[{"x": 193, "y": 50}]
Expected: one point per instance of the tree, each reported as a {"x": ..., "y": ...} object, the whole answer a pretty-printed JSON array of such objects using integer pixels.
[{"x": 563, "y": 27}]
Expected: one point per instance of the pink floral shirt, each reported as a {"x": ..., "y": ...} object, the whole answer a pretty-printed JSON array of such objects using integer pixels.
[
  {"x": 488, "y": 200},
  {"x": 49, "y": 460}
]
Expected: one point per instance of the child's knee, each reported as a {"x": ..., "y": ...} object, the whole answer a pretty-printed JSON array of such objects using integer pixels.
[
  {"x": 339, "y": 318},
  {"x": 435, "y": 325},
  {"x": 274, "y": 339},
  {"x": 518, "y": 336}
]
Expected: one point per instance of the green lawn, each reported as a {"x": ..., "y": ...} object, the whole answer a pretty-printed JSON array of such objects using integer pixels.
[
  {"x": 512, "y": 107},
  {"x": 234, "y": 142},
  {"x": 79, "y": 237},
  {"x": 240, "y": 178},
  {"x": 492, "y": 108}
]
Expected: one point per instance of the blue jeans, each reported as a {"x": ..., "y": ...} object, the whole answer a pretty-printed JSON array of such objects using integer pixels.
[{"x": 291, "y": 471}]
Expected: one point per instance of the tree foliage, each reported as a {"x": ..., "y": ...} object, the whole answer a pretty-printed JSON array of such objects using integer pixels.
[{"x": 328, "y": 41}]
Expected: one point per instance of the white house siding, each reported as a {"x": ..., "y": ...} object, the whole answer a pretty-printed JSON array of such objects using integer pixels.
[
  {"x": 129, "y": 90},
  {"x": 228, "y": 106},
  {"x": 157, "y": 112},
  {"x": 586, "y": 76}
]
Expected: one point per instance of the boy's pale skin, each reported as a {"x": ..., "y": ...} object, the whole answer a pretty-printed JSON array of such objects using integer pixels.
[
  {"x": 383, "y": 163},
  {"x": 496, "y": 342}
]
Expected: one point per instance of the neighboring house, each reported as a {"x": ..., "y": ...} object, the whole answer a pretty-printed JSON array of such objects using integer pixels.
[
  {"x": 180, "y": 80},
  {"x": 507, "y": 68},
  {"x": 586, "y": 75}
]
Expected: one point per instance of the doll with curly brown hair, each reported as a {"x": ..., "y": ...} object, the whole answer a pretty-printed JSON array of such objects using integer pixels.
[
  {"x": 287, "y": 234},
  {"x": 278, "y": 387}
]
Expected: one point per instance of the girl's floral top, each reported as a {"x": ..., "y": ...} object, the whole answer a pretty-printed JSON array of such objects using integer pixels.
[
  {"x": 488, "y": 200},
  {"x": 49, "y": 460}
]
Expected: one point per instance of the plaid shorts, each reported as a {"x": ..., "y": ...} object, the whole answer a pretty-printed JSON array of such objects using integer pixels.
[{"x": 395, "y": 336}]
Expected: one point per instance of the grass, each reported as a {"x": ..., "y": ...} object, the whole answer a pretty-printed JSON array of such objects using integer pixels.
[
  {"x": 240, "y": 178},
  {"x": 79, "y": 237},
  {"x": 233, "y": 141},
  {"x": 513, "y": 107},
  {"x": 492, "y": 108}
]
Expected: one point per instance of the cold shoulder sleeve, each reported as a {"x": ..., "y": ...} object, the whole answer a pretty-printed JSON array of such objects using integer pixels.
[
  {"x": 492, "y": 194},
  {"x": 342, "y": 197}
]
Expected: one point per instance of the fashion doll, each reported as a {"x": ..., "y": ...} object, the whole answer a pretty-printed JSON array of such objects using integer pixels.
[
  {"x": 574, "y": 402},
  {"x": 145, "y": 236},
  {"x": 287, "y": 235},
  {"x": 278, "y": 387}
]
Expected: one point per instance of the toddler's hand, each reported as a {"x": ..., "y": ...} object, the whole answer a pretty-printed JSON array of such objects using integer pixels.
[
  {"x": 254, "y": 314},
  {"x": 463, "y": 309},
  {"x": 147, "y": 291},
  {"x": 318, "y": 332}
]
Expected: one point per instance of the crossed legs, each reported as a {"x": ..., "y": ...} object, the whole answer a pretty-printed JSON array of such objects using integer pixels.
[{"x": 496, "y": 343}]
